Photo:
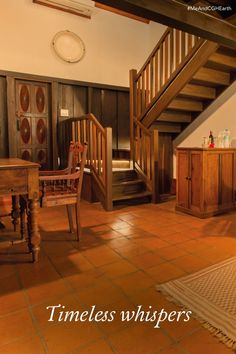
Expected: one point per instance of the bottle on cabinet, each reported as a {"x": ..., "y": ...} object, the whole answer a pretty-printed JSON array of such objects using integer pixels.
[
  {"x": 220, "y": 140},
  {"x": 226, "y": 138},
  {"x": 211, "y": 143}
]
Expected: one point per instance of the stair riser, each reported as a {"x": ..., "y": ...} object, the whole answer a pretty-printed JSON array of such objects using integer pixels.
[
  {"x": 186, "y": 105},
  {"x": 128, "y": 189},
  {"x": 133, "y": 201},
  {"x": 123, "y": 176}
]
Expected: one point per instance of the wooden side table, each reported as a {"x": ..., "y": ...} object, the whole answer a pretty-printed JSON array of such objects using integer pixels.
[{"x": 21, "y": 178}]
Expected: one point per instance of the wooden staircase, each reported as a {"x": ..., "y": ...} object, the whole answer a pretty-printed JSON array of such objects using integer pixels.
[
  {"x": 182, "y": 76},
  {"x": 127, "y": 186},
  {"x": 204, "y": 87},
  {"x": 113, "y": 180}
]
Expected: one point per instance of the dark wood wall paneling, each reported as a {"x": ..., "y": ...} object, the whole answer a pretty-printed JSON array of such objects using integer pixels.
[
  {"x": 110, "y": 107},
  {"x": 3, "y": 118},
  {"x": 110, "y": 104},
  {"x": 123, "y": 126},
  {"x": 165, "y": 162}
]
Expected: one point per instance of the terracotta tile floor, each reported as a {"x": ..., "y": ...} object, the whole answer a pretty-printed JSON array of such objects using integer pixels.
[{"x": 121, "y": 256}]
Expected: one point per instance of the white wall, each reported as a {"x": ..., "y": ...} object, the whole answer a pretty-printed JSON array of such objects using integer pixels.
[
  {"x": 114, "y": 44},
  {"x": 223, "y": 118}
]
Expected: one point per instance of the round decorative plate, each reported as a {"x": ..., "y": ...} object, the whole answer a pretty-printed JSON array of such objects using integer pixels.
[{"x": 68, "y": 46}]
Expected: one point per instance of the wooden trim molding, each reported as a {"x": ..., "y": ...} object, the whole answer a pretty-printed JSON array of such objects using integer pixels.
[
  {"x": 50, "y": 80},
  {"x": 61, "y": 7},
  {"x": 121, "y": 12},
  {"x": 176, "y": 14}
]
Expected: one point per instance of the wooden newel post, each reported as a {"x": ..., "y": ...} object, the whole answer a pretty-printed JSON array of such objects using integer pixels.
[
  {"x": 108, "y": 167},
  {"x": 155, "y": 167},
  {"x": 132, "y": 105}
]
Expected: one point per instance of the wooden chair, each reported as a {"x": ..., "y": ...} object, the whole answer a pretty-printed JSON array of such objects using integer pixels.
[
  {"x": 23, "y": 209},
  {"x": 65, "y": 189},
  {"x": 71, "y": 163}
]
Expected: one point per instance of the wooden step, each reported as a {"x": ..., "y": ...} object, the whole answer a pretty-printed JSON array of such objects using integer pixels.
[
  {"x": 124, "y": 175},
  {"x": 211, "y": 76},
  {"x": 175, "y": 117},
  {"x": 222, "y": 60},
  {"x": 198, "y": 91},
  {"x": 127, "y": 188},
  {"x": 120, "y": 154},
  {"x": 118, "y": 164},
  {"x": 134, "y": 196},
  {"x": 166, "y": 127},
  {"x": 184, "y": 104},
  {"x": 227, "y": 51}
]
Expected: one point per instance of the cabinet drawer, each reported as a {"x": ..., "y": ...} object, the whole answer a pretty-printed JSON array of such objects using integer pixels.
[{"x": 13, "y": 181}]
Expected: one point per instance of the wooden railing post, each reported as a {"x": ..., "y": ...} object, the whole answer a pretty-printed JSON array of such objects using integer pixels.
[
  {"x": 108, "y": 167},
  {"x": 132, "y": 105},
  {"x": 154, "y": 149}
]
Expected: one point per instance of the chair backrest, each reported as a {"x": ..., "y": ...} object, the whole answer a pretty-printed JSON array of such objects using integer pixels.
[
  {"x": 80, "y": 153},
  {"x": 74, "y": 155},
  {"x": 72, "y": 158}
]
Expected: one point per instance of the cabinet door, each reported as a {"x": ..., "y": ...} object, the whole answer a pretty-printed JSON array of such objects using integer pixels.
[
  {"x": 195, "y": 188},
  {"x": 211, "y": 173},
  {"x": 226, "y": 182},
  {"x": 182, "y": 179},
  {"x": 32, "y": 122}
]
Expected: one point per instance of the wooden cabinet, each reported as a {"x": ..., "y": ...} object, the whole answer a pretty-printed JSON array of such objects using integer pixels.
[{"x": 205, "y": 181}]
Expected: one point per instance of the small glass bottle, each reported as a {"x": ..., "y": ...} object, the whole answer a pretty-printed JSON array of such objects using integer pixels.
[
  {"x": 211, "y": 143},
  {"x": 226, "y": 138},
  {"x": 204, "y": 142}
]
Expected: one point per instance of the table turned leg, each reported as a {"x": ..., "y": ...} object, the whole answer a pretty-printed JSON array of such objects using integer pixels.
[
  {"x": 15, "y": 213},
  {"x": 34, "y": 235},
  {"x": 23, "y": 205}
]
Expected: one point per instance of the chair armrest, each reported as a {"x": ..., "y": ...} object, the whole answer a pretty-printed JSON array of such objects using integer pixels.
[
  {"x": 70, "y": 176},
  {"x": 54, "y": 173}
]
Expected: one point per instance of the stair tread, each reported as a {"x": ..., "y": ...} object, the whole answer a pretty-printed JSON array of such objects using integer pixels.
[
  {"x": 212, "y": 76},
  {"x": 131, "y": 196},
  {"x": 121, "y": 169},
  {"x": 224, "y": 60},
  {"x": 186, "y": 104},
  {"x": 198, "y": 91},
  {"x": 174, "y": 117}
]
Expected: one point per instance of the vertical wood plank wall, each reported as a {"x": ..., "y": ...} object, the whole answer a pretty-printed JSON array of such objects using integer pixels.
[
  {"x": 110, "y": 107},
  {"x": 3, "y": 118}
]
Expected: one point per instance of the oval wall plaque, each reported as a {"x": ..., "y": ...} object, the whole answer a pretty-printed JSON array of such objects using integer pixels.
[{"x": 68, "y": 46}]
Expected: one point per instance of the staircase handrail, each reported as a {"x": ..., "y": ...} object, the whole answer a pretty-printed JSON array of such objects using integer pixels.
[
  {"x": 88, "y": 129},
  {"x": 169, "y": 56},
  {"x": 146, "y": 156}
]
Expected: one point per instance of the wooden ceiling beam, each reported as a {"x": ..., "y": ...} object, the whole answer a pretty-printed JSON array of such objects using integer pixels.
[
  {"x": 176, "y": 14},
  {"x": 120, "y": 12}
]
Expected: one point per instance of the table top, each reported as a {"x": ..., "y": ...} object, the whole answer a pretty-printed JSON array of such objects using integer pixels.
[{"x": 8, "y": 163}]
